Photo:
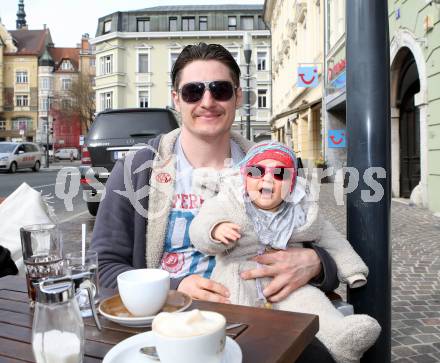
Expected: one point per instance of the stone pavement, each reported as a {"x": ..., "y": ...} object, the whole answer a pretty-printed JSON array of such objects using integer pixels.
[
  {"x": 415, "y": 240},
  {"x": 415, "y": 235}
]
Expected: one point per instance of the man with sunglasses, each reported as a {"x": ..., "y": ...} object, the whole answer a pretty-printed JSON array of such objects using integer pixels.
[{"x": 143, "y": 220}]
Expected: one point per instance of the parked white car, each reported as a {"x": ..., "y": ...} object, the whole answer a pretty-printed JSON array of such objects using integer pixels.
[
  {"x": 67, "y": 153},
  {"x": 19, "y": 155}
]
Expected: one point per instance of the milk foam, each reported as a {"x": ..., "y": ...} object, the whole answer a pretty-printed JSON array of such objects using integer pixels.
[
  {"x": 56, "y": 346},
  {"x": 188, "y": 324}
]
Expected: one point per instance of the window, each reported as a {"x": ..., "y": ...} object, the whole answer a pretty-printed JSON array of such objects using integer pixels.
[
  {"x": 22, "y": 124},
  {"x": 143, "y": 63},
  {"x": 172, "y": 24},
  {"x": 143, "y": 25},
  {"x": 173, "y": 58},
  {"x": 92, "y": 62},
  {"x": 261, "y": 61},
  {"x": 143, "y": 99},
  {"x": 106, "y": 64},
  {"x": 188, "y": 23},
  {"x": 235, "y": 56},
  {"x": 262, "y": 98},
  {"x": 29, "y": 148},
  {"x": 66, "y": 84},
  {"x": 2, "y": 125},
  {"x": 45, "y": 83},
  {"x": 66, "y": 65},
  {"x": 66, "y": 103},
  {"x": 232, "y": 23},
  {"x": 21, "y": 77},
  {"x": 247, "y": 22},
  {"x": 106, "y": 101},
  {"x": 261, "y": 25},
  {"x": 22, "y": 101},
  {"x": 44, "y": 105},
  {"x": 107, "y": 26},
  {"x": 203, "y": 23}
]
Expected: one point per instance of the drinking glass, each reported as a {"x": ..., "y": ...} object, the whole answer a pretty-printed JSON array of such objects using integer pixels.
[
  {"x": 42, "y": 254},
  {"x": 76, "y": 265}
]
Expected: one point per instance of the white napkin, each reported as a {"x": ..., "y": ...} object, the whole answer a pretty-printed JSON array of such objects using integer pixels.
[{"x": 25, "y": 206}]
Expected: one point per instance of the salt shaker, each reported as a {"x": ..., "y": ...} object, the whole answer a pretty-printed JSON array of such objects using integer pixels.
[{"x": 58, "y": 329}]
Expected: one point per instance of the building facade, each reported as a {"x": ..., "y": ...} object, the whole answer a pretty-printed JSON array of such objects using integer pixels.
[
  {"x": 35, "y": 82},
  {"x": 415, "y": 99},
  {"x": 297, "y": 46},
  {"x": 334, "y": 109},
  {"x": 62, "y": 74},
  {"x": 415, "y": 95},
  {"x": 135, "y": 51},
  {"x": 21, "y": 51}
]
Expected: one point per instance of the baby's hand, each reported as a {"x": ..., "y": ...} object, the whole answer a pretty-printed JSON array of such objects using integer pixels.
[{"x": 226, "y": 232}]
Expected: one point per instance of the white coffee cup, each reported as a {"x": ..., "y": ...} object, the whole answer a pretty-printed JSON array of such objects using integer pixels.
[
  {"x": 144, "y": 291},
  {"x": 190, "y": 337}
]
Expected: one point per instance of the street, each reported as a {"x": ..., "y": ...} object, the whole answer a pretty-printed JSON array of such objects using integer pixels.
[{"x": 45, "y": 182}]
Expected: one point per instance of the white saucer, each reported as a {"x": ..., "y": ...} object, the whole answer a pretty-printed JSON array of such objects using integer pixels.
[
  {"x": 114, "y": 310},
  {"x": 127, "y": 351}
]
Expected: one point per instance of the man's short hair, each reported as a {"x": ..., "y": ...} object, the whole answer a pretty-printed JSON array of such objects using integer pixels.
[{"x": 203, "y": 51}]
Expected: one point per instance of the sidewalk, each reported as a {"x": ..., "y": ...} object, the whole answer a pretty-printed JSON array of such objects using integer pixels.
[
  {"x": 58, "y": 165},
  {"x": 415, "y": 241}
]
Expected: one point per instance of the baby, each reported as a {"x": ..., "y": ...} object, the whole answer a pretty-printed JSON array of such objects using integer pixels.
[{"x": 265, "y": 206}]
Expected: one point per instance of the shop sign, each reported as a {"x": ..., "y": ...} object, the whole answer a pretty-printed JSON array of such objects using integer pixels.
[
  {"x": 307, "y": 77},
  {"x": 337, "y": 139},
  {"x": 334, "y": 71}
]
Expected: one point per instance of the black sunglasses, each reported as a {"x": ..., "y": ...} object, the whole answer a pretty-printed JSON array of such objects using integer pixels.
[
  {"x": 193, "y": 91},
  {"x": 258, "y": 171}
]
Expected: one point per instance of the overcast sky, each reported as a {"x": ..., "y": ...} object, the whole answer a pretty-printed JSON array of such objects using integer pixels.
[{"x": 69, "y": 19}]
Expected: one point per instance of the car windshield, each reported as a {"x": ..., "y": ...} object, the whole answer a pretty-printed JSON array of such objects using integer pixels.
[
  {"x": 133, "y": 124},
  {"x": 7, "y": 148}
]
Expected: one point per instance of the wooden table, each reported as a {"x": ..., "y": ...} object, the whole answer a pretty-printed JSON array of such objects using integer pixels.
[{"x": 268, "y": 336}]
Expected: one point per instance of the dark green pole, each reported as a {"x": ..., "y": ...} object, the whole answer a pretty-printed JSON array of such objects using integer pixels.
[{"x": 368, "y": 130}]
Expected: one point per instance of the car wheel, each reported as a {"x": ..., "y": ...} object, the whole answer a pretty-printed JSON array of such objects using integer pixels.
[
  {"x": 37, "y": 166},
  {"x": 13, "y": 167},
  {"x": 93, "y": 208}
]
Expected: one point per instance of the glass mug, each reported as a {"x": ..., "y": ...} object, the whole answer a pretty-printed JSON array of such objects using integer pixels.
[{"x": 42, "y": 254}]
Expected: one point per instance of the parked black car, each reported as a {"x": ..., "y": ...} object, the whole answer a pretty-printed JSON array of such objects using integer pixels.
[{"x": 112, "y": 135}]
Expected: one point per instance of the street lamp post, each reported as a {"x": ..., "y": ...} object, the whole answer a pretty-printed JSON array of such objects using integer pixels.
[
  {"x": 47, "y": 141},
  {"x": 247, "y": 99},
  {"x": 49, "y": 107}
]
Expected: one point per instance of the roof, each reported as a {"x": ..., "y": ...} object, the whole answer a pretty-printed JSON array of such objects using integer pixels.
[
  {"x": 29, "y": 42},
  {"x": 59, "y": 54},
  {"x": 193, "y": 8}
]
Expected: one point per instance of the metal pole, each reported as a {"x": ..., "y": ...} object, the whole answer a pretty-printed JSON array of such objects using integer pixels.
[
  {"x": 248, "y": 103},
  {"x": 368, "y": 130},
  {"x": 47, "y": 142}
]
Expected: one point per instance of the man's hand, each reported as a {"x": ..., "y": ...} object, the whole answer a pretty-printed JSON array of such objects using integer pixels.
[
  {"x": 290, "y": 269},
  {"x": 226, "y": 232},
  {"x": 202, "y": 288}
]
